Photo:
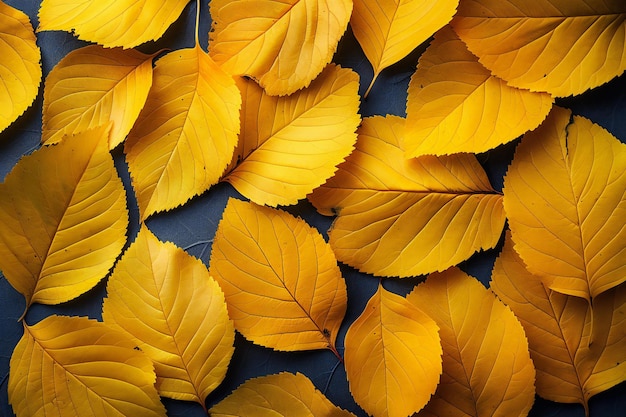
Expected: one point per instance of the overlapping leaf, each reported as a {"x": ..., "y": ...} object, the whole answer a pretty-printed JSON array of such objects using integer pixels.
[
  {"x": 167, "y": 302},
  {"x": 487, "y": 368},
  {"x": 399, "y": 217},
  {"x": 455, "y": 105}
]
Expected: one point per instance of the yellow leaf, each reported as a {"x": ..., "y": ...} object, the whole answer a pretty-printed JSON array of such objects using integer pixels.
[
  {"x": 455, "y": 105},
  {"x": 73, "y": 366},
  {"x": 92, "y": 86},
  {"x": 399, "y": 217},
  {"x": 64, "y": 219},
  {"x": 564, "y": 197},
  {"x": 20, "y": 72},
  {"x": 563, "y": 47},
  {"x": 111, "y": 23},
  {"x": 283, "y": 45},
  {"x": 283, "y": 287},
  {"x": 167, "y": 302},
  {"x": 290, "y": 145},
  {"x": 278, "y": 395},
  {"x": 186, "y": 133},
  {"x": 392, "y": 356},
  {"x": 487, "y": 370},
  {"x": 569, "y": 367}
]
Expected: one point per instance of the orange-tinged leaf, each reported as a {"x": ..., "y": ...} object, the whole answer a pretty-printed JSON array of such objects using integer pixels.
[
  {"x": 290, "y": 145},
  {"x": 64, "y": 219},
  {"x": 487, "y": 369},
  {"x": 560, "y": 46},
  {"x": 283, "y": 45},
  {"x": 283, "y": 287},
  {"x": 564, "y": 197},
  {"x": 20, "y": 72},
  {"x": 92, "y": 86},
  {"x": 278, "y": 395},
  {"x": 455, "y": 105},
  {"x": 73, "y": 366},
  {"x": 392, "y": 356},
  {"x": 167, "y": 302},
  {"x": 186, "y": 133},
  {"x": 399, "y": 217}
]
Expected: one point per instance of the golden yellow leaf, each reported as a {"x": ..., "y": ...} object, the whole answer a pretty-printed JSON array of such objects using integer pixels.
[
  {"x": 186, "y": 133},
  {"x": 283, "y": 287},
  {"x": 278, "y": 395},
  {"x": 564, "y": 197},
  {"x": 290, "y": 145},
  {"x": 392, "y": 356},
  {"x": 64, "y": 219},
  {"x": 487, "y": 370},
  {"x": 111, "y": 23},
  {"x": 73, "y": 366},
  {"x": 20, "y": 72},
  {"x": 167, "y": 302},
  {"x": 92, "y": 86},
  {"x": 399, "y": 217},
  {"x": 569, "y": 367},
  {"x": 563, "y": 47},
  {"x": 455, "y": 105},
  {"x": 283, "y": 45}
]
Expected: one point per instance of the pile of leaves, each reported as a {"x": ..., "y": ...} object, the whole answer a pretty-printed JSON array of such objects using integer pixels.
[{"x": 266, "y": 111}]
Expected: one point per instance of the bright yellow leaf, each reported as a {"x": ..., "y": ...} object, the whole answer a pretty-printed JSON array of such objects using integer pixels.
[
  {"x": 73, "y": 366},
  {"x": 283, "y": 45},
  {"x": 64, "y": 219},
  {"x": 92, "y": 86},
  {"x": 186, "y": 133},
  {"x": 290, "y": 145},
  {"x": 392, "y": 356},
  {"x": 487, "y": 370},
  {"x": 455, "y": 105},
  {"x": 399, "y": 217},
  {"x": 563, "y": 47},
  {"x": 283, "y": 287},
  {"x": 167, "y": 302},
  {"x": 564, "y": 197}
]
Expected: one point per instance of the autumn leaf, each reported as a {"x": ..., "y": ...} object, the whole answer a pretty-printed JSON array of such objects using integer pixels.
[
  {"x": 290, "y": 145},
  {"x": 186, "y": 133},
  {"x": 455, "y": 105},
  {"x": 566, "y": 208},
  {"x": 64, "y": 219},
  {"x": 283, "y": 287},
  {"x": 399, "y": 217},
  {"x": 559, "y": 46},
  {"x": 283, "y": 45},
  {"x": 165, "y": 300},
  {"x": 392, "y": 356},
  {"x": 487, "y": 370},
  {"x": 73, "y": 366}
]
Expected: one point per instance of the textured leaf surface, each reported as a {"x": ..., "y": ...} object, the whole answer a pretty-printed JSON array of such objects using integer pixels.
[
  {"x": 392, "y": 356},
  {"x": 61, "y": 233},
  {"x": 167, "y": 302},
  {"x": 290, "y": 145},
  {"x": 73, "y": 366},
  {"x": 283, "y": 287},
  {"x": 186, "y": 133},
  {"x": 487, "y": 370},
  {"x": 399, "y": 217},
  {"x": 283, "y": 45},
  {"x": 564, "y": 197},
  {"x": 560, "y": 46},
  {"x": 455, "y": 105}
]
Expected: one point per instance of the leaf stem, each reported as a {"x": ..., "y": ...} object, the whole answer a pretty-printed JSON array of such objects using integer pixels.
[{"x": 197, "y": 22}]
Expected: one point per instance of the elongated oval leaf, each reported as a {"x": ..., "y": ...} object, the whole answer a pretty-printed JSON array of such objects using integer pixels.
[
  {"x": 283, "y": 287},
  {"x": 167, "y": 302},
  {"x": 399, "y": 217}
]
